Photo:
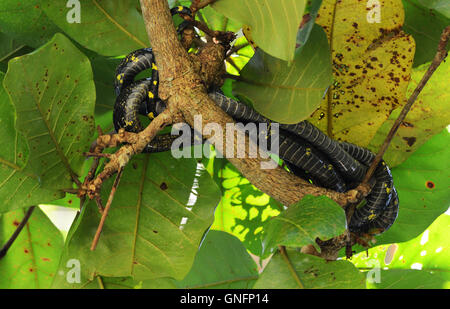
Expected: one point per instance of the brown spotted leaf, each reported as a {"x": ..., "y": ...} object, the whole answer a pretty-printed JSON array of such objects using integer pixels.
[
  {"x": 19, "y": 186},
  {"x": 54, "y": 100},
  {"x": 371, "y": 67},
  {"x": 427, "y": 117}
]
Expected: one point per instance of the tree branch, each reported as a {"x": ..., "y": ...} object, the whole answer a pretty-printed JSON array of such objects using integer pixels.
[{"x": 183, "y": 90}]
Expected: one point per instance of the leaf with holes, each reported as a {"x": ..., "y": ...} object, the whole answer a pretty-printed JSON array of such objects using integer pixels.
[
  {"x": 313, "y": 273},
  {"x": 54, "y": 100},
  {"x": 303, "y": 222},
  {"x": 371, "y": 67},
  {"x": 221, "y": 263},
  {"x": 243, "y": 208},
  {"x": 110, "y": 28},
  {"x": 26, "y": 22},
  {"x": 273, "y": 24},
  {"x": 19, "y": 185},
  {"x": 421, "y": 262},
  {"x": 427, "y": 117},
  {"x": 283, "y": 92},
  {"x": 161, "y": 210},
  {"x": 32, "y": 260},
  {"x": 407, "y": 279}
]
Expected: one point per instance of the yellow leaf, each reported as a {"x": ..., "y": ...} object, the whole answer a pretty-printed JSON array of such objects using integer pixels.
[{"x": 372, "y": 59}]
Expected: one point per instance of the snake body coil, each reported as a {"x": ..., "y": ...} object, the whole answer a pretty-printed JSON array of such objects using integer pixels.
[{"x": 308, "y": 152}]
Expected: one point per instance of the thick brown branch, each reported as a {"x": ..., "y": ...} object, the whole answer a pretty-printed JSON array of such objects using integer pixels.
[{"x": 183, "y": 90}]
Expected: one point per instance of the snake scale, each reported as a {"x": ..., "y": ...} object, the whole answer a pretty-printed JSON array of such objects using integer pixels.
[{"x": 308, "y": 152}]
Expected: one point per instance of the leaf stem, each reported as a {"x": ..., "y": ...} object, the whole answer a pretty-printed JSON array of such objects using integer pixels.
[
  {"x": 290, "y": 266},
  {"x": 16, "y": 233}
]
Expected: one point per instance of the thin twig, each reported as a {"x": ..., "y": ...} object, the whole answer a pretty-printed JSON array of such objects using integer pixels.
[
  {"x": 106, "y": 210},
  {"x": 235, "y": 49},
  {"x": 233, "y": 64},
  {"x": 438, "y": 58},
  {"x": 16, "y": 233}
]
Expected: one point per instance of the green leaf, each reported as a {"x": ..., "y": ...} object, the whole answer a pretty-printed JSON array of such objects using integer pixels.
[
  {"x": 110, "y": 28},
  {"x": 221, "y": 263},
  {"x": 101, "y": 282},
  {"x": 288, "y": 93},
  {"x": 305, "y": 29},
  {"x": 19, "y": 186},
  {"x": 427, "y": 117},
  {"x": 104, "y": 71},
  {"x": 303, "y": 222},
  {"x": 441, "y": 6},
  {"x": 218, "y": 21},
  {"x": 426, "y": 26},
  {"x": 421, "y": 262},
  {"x": 54, "y": 100},
  {"x": 26, "y": 22},
  {"x": 273, "y": 24},
  {"x": 160, "y": 212},
  {"x": 313, "y": 272},
  {"x": 32, "y": 260},
  {"x": 422, "y": 183},
  {"x": 243, "y": 208},
  {"x": 9, "y": 48},
  {"x": 407, "y": 279}
]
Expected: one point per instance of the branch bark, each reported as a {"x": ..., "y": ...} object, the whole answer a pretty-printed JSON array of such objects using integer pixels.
[{"x": 182, "y": 89}]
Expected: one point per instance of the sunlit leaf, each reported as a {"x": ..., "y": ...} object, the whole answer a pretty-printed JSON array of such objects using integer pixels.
[
  {"x": 421, "y": 262},
  {"x": 32, "y": 260},
  {"x": 243, "y": 208},
  {"x": 300, "y": 224}
]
